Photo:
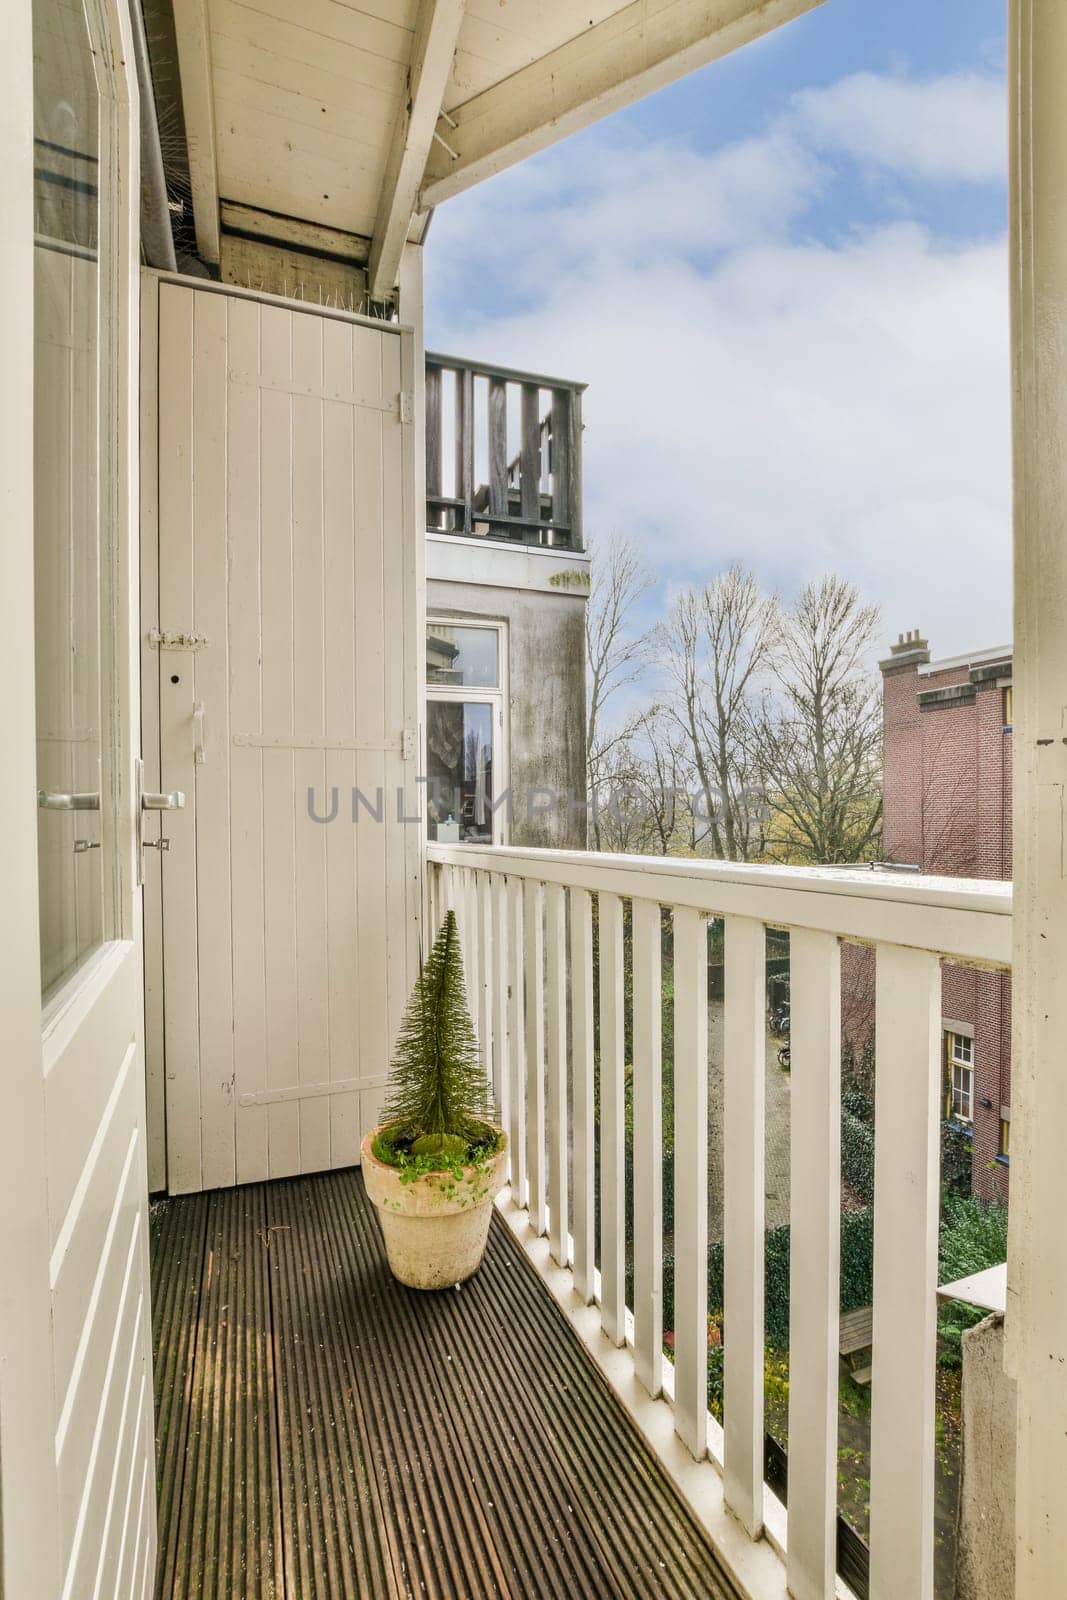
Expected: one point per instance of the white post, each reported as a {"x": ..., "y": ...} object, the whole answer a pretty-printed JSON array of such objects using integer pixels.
[
  {"x": 556, "y": 1048},
  {"x": 28, "y": 1483},
  {"x": 648, "y": 1144},
  {"x": 584, "y": 1225},
  {"x": 691, "y": 1179},
  {"x": 612, "y": 1121},
  {"x": 815, "y": 1259},
  {"x": 1037, "y": 1255},
  {"x": 906, "y": 1172},
  {"x": 744, "y": 1093}
]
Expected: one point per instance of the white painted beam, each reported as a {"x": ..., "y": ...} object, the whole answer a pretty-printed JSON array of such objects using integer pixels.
[
  {"x": 431, "y": 62},
  {"x": 193, "y": 34},
  {"x": 1036, "y": 1326},
  {"x": 639, "y": 49}
]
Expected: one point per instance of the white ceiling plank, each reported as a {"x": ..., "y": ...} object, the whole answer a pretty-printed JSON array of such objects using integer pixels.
[
  {"x": 643, "y": 47},
  {"x": 198, "y": 103},
  {"x": 431, "y": 63}
]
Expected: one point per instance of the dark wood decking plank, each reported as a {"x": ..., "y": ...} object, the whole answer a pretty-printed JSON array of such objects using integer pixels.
[
  {"x": 335, "y": 1544},
  {"x": 178, "y": 1230},
  {"x": 440, "y": 1455},
  {"x": 228, "y": 1537}
]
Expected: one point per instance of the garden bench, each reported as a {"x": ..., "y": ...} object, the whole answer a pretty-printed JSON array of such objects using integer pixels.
[{"x": 856, "y": 1338}]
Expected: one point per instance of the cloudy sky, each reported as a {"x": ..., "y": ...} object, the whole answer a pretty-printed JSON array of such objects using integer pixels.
[{"x": 785, "y": 282}]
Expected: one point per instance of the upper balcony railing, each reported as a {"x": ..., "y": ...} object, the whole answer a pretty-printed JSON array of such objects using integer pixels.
[
  {"x": 551, "y": 953},
  {"x": 503, "y": 453}
]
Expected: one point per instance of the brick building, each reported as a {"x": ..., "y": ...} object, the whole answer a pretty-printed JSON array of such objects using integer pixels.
[{"x": 947, "y": 809}]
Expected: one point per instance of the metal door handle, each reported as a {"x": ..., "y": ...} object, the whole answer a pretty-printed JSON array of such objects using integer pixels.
[
  {"x": 163, "y": 802},
  {"x": 56, "y": 800},
  {"x": 199, "y": 733}
]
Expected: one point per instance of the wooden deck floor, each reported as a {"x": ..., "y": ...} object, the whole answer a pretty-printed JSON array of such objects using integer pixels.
[{"x": 325, "y": 1434}]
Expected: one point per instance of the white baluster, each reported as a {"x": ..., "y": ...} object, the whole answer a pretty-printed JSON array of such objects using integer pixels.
[
  {"x": 582, "y": 1090},
  {"x": 612, "y": 1123},
  {"x": 744, "y": 1064},
  {"x": 484, "y": 912},
  {"x": 517, "y": 1040},
  {"x": 535, "y": 1054},
  {"x": 691, "y": 1179},
  {"x": 648, "y": 1145},
  {"x": 906, "y": 1175},
  {"x": 814, "y": 1261},
  {"x": 499, "y": 983},
  {"x": 556, "y": 995}
]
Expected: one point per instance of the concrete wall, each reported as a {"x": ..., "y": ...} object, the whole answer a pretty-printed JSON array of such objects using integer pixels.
[
  {"x": 546, "y": 680},
  {"x": 985, "y": 1544}
]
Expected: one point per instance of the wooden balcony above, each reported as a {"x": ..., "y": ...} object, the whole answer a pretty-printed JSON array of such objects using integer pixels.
[{"x": 503, "y": 454}]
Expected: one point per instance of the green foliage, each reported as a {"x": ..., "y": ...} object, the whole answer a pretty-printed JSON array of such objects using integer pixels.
[
  {"x": 857, "y": 1079},
  {"x": 450, "y": 1155},
  {"x": 857, "y": 1274},
  {"x": 857, "y": 1156},
  {"x": 974, "y": 1235},
  {"x": 855, "y": 1102},
  {"x": 957, "y": 1157},
  {"x": 439, "y": 1098}
]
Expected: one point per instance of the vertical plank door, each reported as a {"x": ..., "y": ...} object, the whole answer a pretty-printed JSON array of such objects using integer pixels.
[{"x": 287, "y": 627}]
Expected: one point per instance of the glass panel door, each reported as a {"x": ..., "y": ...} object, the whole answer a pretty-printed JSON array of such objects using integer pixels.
[{"x": 67, "y": 323}]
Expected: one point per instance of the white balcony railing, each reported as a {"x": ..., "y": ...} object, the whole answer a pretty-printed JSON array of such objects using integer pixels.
[{"x": 526, "y": 918}]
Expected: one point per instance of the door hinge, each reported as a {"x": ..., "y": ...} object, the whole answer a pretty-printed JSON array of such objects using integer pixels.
[{"x": 407, "y": 406}]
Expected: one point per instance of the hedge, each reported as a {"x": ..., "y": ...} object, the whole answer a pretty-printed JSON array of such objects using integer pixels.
[
  {"x": 857, "y": 1274},
  {"x": 857, "y": 1156}
]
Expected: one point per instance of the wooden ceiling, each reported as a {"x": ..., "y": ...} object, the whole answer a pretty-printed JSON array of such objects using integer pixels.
[{"x": 360, "y": 115}]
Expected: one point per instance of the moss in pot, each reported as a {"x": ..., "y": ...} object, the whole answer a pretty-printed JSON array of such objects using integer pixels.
[{"x": 435, "y": 1163}]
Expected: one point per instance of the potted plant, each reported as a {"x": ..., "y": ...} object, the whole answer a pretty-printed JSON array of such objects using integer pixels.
[{"x": 435, "y": 1163}]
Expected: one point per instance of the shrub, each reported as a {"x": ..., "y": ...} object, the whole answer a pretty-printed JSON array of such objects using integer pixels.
[
  {"x": 974, "y": 1235},
  {"x": 957, "y": 1158},
  {"x": 857, "y": 1156},
  {"x": 857, "y": 1274}
]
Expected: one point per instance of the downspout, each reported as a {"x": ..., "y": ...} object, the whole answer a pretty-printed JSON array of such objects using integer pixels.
[{"x": 157, "y": 240}]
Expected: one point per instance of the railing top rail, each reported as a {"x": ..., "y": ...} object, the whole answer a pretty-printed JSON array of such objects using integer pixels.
[
  {"x": 487, "y": 369},
  {"x": 963, "y": 919}
]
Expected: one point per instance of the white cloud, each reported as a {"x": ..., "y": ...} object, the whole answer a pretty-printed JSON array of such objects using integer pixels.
[
  {"x": 947, "y": 129},
  {"x": 757, "y": 394}
]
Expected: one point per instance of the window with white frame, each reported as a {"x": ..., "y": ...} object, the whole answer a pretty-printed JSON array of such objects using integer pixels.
[
  {"x": 959, "y": 1053},
  {"x": 466, "y": 756}
]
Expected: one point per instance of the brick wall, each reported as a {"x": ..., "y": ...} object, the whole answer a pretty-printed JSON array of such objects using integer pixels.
[{"x": 947, "y": 803}]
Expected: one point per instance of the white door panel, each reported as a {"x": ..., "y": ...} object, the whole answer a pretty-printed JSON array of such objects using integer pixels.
[
  {"x": 287, "y": 664},
  {"x": 74, "y": 1239}
]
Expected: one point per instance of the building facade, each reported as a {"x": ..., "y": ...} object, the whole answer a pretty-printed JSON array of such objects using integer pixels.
[
  {"x": 947, "y": 811},
  {"x": 507, "y": 584}
]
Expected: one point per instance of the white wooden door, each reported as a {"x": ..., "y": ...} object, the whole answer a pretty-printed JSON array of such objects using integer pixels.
[
  {"x": 76, "y": 1424},
  {"x": 288, "y": 678}
]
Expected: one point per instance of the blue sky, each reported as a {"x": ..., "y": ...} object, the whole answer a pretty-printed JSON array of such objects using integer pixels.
[{"x": 785, "y": 281}]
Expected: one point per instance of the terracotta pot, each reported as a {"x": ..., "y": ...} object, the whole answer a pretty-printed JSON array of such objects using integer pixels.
[{"x": 435, "y": 1226}]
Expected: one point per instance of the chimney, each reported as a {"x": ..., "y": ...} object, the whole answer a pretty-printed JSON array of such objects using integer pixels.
[{"x": 910, "y": 650}]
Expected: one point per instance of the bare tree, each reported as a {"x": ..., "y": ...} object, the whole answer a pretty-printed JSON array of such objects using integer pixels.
[
  {"x": 716, "y": 646},
  {"x": 820, "y": 736},
  {"x": 614, "y": 650}
]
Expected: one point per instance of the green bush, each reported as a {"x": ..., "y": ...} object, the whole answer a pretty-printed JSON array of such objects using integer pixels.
[
  {"x": 857, "y": 1274},
  {"x": 957, "y": 1158},
  {"x": 857, "y": 1156},
  {"x": 974, "y": 1236}
]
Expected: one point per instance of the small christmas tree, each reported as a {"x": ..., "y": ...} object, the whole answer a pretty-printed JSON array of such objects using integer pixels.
[{"x": 439, "y": 1096}]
